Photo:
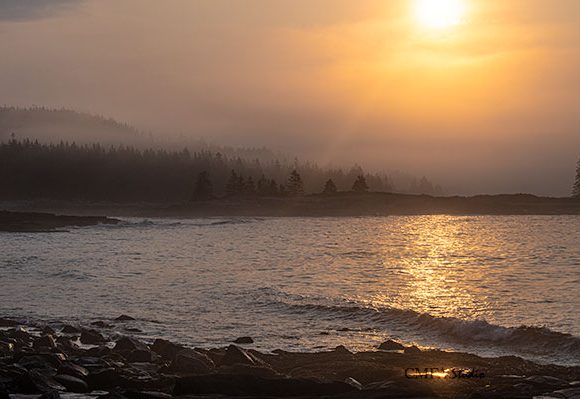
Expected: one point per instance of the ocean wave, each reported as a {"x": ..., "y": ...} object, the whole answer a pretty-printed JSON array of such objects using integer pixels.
[{"x": 480, "y": 333}]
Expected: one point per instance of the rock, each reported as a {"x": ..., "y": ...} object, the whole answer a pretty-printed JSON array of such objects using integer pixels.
[
  {"x": 6, "y": 347},
  {"x": 50, "y": 395},
  {"x": 570, "y": 393},
  {"x": 412, "y": 350},
  {"x": 234, "y": 355},
  {"x": 243, "y": 340},
  {"x": 48, "y": 330},
  {"x": 166, "y": 349},
  {"x": 19, "y": 334},
  {"x": 67, "y": 329},
  {"x": 402, "y": 388},
  {"x": 239, "y": 385},
  {"x": 3, "y": 392},
  {"x": 91, "y": 337},
  {"x": 72, "y": 384},
  {"x": 39, "y": 382},
  {"x": 390, "y": 345},
  {"x": 101, "y": 324},
  {"x": 192, "y": 361},
  {"x": 74, "y": 370},
  {"x": 245, "y": 369},
  {"x": 8, "y": 322},
  {"x": 128, "y": 344},
  {"x": 124, "y": 317},
  {"x": 39, "y": 360},
  {"x": 139, "y": 356},
  {"x": 66, "y": 344},
  {"x": 353, "y": 383},
  {"x": 103, "y": 379},
  {"x": 147, "y": 395},
  {"x": 44, "y": 342},
  {"x": 546, "y": 381},
  {"x": 342, "y": 350}
]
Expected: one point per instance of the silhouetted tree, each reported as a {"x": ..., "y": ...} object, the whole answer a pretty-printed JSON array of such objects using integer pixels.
[
  {"x": 360, "y": 185},
  {"x": 232, "y": 184},
  {"x": 203, "y": 188},
  {"x": 295, "y": 184},
  {"x": 250, "y": 187},
  {"x": 329, "y": 187},
  {"x": 576, "y": 187}
]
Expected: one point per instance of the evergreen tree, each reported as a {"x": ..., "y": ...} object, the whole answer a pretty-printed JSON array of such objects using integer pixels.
[
  {"x": 360, "y": 185},
  {"x": 329, "y": 187},
  {"x": 203, "y": 188},
  {"x": 576, "y": 187},
  {"x": 250, "y": 187},
  {"x": 232, "y": 184},
  {"x": 295, "y": 184}
]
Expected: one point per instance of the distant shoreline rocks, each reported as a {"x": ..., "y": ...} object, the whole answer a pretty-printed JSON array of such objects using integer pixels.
[{"x": 38, "y": 222}]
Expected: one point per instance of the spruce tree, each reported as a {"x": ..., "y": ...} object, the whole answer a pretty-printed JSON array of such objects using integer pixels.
[
  {"x": 360, "y": 185},
  {"x": 295, "y": 184},
  {"x": 232, "y": 184},
  {"x": 576, "y": 187},
  {"x": 329, "y": 187},
  {"x": 203, "y": 188}
]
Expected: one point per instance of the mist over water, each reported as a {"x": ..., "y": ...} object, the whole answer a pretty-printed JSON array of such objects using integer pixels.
[{"x": 456, "y": 282}]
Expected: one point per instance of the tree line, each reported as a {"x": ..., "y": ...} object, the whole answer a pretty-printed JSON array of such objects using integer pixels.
[
  {"x": 68, "y": 171},
  {"x": 576, "y": 185}
]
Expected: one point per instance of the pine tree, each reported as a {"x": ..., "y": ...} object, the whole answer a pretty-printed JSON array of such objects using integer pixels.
[
  {"x": 295, "y": 184},
  {"x": 250, "y": 187},
  {"x": 576, "y": 187},
  {"x": 203, "y": 188},
  {"x": 360, "y": 185},
  {"x": 329, "y": 187}
]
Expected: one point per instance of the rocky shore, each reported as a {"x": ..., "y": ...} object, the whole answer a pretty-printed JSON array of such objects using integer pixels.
[
  {"x": 37, "y": 222},
  {"x": 103, "y": 359}
]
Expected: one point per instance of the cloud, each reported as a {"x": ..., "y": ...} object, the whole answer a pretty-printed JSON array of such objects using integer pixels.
[{"x": 22, "y": 10}]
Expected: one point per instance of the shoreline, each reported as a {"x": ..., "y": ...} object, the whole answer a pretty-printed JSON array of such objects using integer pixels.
[{"x": 104, "y": 358}]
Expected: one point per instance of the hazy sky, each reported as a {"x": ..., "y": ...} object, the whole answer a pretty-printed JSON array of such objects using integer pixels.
[{"x": 489, "y": 104}]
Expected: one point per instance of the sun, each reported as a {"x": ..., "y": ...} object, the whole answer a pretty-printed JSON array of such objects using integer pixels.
[{"x": 439, "y": 14}]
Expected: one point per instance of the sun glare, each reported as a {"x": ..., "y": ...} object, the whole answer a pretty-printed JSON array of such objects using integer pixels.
[{"x": 439, "y": 14}]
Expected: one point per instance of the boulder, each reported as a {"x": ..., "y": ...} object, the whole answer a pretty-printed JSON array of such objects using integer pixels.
[
  {"x": 35, "y": 382},
  {"x": 243, "y": 340},
  {"x": 412, "y": 350},
  {"x": 91, "y": 337},
  {"x": 67, "y": 329},
  {"x": 8, "y": 322},
  {"x": 124, "y": 317},
  {"x": 103, "y": 379},
  {"x": 166, "y": 349},
  {"x": 239, "y": 385},
  {"x": 3, "y": 392},
  {"x": 128, "y": 344},
  {"x": 192, "y": 361},
  {"x": 44, "y": 342},
  {"x": 72, "y": 384},
  {"x": 236, "y": 355},
  {"x": 139, "y": 356},
  {"x": 73, "y": 370},
  {"x": 390, "y": 345},
  {"x": 50, "y": 395}
]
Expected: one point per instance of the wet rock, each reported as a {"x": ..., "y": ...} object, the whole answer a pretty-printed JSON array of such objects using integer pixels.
[
  {"x": 192, "y": 361},
  {"x": 243, "y": 340},
  {"x": 48, "y": 330},
  {"x": 20, "y": 334},
  {"x": 569, "y": 393},
  {"x": 166, "y": 349},
  {"x": 101, "y": 324},
  {"x": 98, "y": 351},
  {"x": 390, "y": 345},
  {"x": 73, "y": 370},
  {"x": 353, "y": 383},
  {"x": 546, "y": 381},
  {"x": 341, "y": 349},
  {"x": 91, "y": 337},
  {"x": 139, "y": 356},
  {"x": 65, "y": 343},
  {"x": 402, "y": 388},
  {"x": 67, "y": 329},
  {"x": 72, "y": 384},
  {"x": 3, "y": 392},
  {"x": 124, "y": 317},
  {"x": 103, "y": 379},
  {"x": 412, "y": 350},
  {"x": 35, "y": 382},
  {"x": 245, "y": 369},
  {"x": 6, "y": 347},
  {"x": 234, "y": 355},
  {"x": 40, "y": 360},
  {"x": 44, "y": 342},
  {"x": 8, "y": 322},
  {"x": 238, "y": 385},
  {"x": 50, "y": 395},
  {"x": 128, "y": 344},
  {"x": 147, "y": 395}
]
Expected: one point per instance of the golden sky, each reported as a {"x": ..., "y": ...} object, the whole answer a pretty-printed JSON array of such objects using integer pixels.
[{"x": 417, "y": 85}]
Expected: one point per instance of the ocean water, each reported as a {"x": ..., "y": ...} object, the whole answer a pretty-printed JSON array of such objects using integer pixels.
[{"x": 491, "y": 285}]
